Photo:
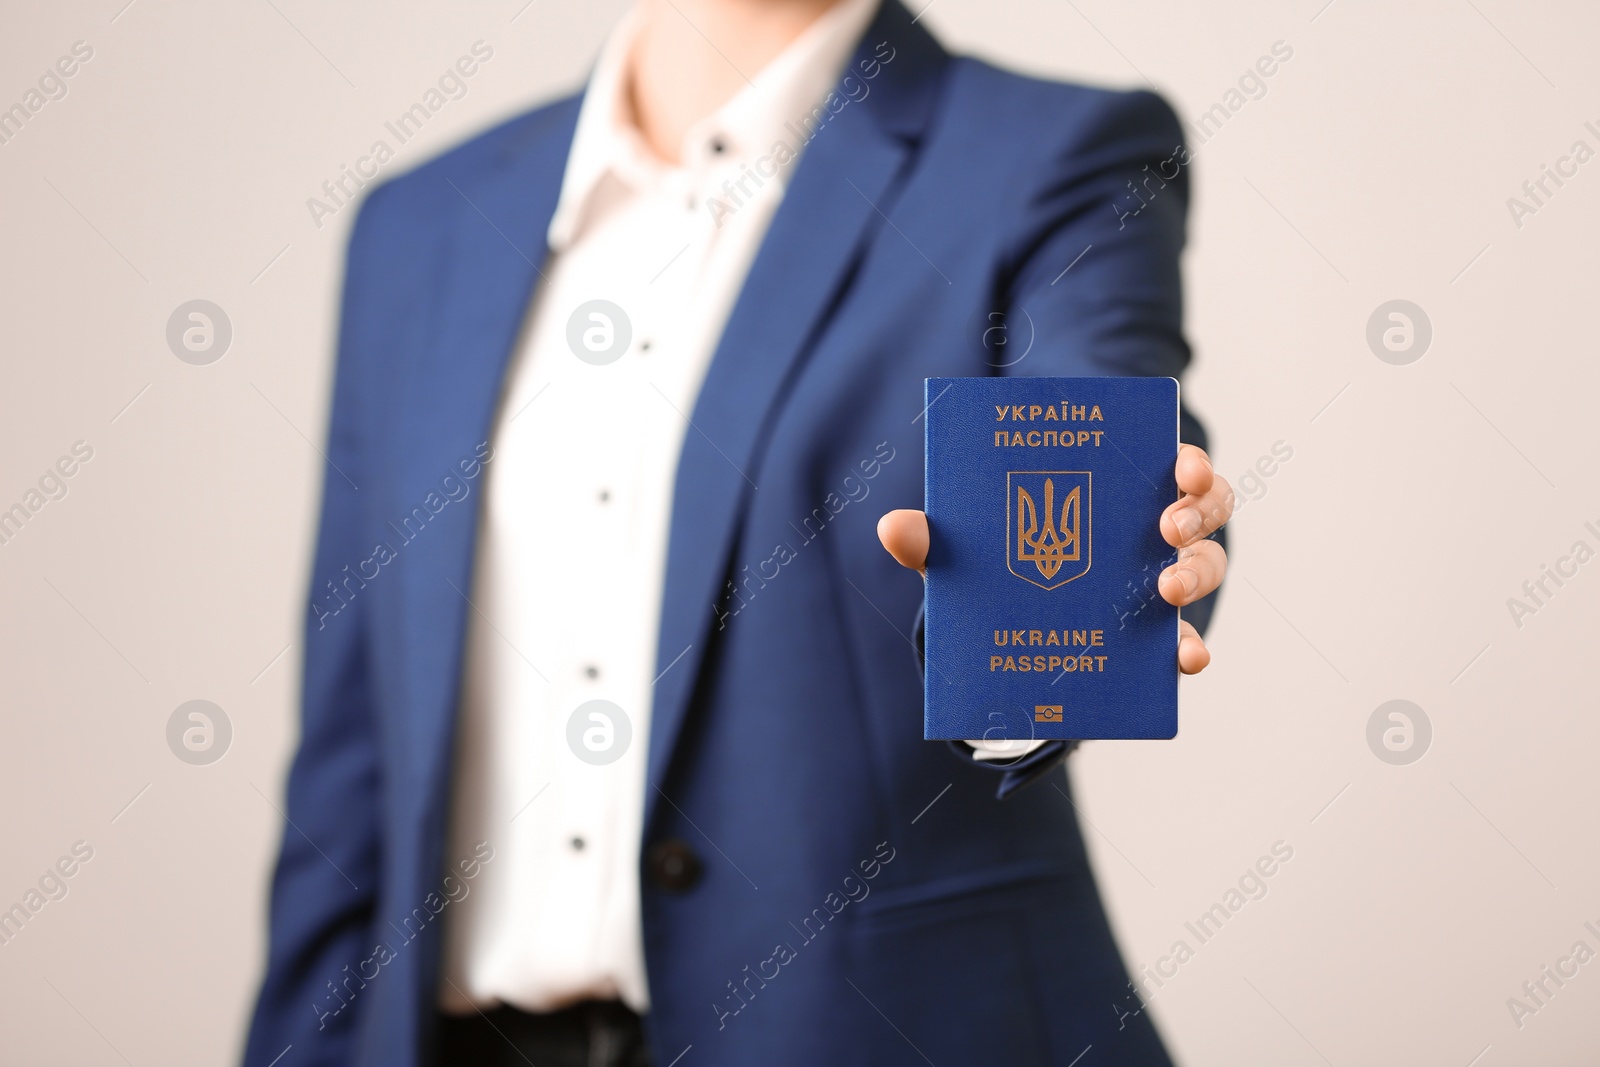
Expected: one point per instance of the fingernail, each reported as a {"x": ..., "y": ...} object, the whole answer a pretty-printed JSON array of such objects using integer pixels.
[
  {"x": 1187, "y": 521},
  {"x": 1188, "y": 580}
]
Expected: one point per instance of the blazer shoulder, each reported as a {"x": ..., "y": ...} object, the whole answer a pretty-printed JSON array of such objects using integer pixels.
[
  {"x": 1023, "y": 114},
  {"x": 416, "y": 194}
]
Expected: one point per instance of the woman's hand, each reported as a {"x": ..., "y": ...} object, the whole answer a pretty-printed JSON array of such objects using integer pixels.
[{"x": 1186, "y": 525}]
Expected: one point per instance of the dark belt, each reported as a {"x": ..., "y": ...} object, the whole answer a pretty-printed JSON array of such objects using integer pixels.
[{"x": 596, "y": 1033}]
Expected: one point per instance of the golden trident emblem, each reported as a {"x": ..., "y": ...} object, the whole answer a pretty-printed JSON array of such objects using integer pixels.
[
  {"x": 1040, "y": 540},
  {"x": 1053, "y": 512}
]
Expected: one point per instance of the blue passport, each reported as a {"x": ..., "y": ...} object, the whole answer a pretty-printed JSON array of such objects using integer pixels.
[{"x": 1044, "y": 497}]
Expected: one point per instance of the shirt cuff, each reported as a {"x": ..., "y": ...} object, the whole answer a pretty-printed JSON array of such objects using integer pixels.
[{"x": 1013, "y": 749}]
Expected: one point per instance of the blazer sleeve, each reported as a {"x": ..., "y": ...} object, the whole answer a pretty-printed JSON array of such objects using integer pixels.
[
  {"x": 1090, "y": 281},
  {"x": 324, "y": 888}
]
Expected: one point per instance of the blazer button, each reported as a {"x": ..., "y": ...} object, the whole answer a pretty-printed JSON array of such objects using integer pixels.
[{"x": 673, "y": 865}]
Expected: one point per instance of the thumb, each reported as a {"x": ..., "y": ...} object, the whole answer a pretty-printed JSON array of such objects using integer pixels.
[{"x": 904, "y": 534}]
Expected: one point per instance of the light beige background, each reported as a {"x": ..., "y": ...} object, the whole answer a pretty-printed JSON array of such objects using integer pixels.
[{"x": 1377, "y": 566}]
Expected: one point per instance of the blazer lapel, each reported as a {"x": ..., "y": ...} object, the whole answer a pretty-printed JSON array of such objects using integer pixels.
[
  {"x": 491, "y": 260},
  {"x": 845, "y": 177}
]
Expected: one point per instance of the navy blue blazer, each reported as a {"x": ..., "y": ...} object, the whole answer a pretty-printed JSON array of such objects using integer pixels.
[{"x": 820, "y": 885}]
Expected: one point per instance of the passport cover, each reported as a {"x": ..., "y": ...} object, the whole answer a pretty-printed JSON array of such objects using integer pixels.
[{"x": 1044, "y": 497}]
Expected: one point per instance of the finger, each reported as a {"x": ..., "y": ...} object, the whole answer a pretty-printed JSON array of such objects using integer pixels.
[
  {"x": 1194, "y": 517},
  {"x": 1193, "y": 470},
  {"x": 1198, "y": 571},
  {"x": 1192, "y": 652},
  {"x": 904, "y": 533}
]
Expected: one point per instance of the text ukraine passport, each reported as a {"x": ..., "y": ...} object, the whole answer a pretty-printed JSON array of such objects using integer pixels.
[{"x": 1044, "y": 497}]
